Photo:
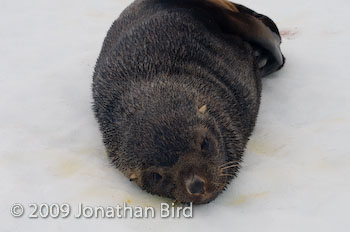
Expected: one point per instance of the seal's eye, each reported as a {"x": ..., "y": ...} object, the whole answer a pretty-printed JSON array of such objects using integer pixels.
[
  {"x": 156, "y": 177},
  {"x": 205, "y": 144}
]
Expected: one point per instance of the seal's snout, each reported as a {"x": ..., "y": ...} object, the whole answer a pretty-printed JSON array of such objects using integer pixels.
[{"x": 195, "y": 185}]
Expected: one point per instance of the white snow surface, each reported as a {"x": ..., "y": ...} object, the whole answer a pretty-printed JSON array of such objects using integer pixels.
[{"x": 296, "y": 169}]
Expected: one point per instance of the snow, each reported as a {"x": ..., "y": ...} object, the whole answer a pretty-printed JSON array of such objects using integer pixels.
[{"x": 295, "y": 175}]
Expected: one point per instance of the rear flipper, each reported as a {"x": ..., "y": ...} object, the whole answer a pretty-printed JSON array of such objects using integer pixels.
[
  {"x": 257, "y": 29},
  {"x": 270, "y": 58}
]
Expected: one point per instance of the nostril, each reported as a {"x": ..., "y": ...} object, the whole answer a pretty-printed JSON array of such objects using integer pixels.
[{"x": 196, "y": 186}]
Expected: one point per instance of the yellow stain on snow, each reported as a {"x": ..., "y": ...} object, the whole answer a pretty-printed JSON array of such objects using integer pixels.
[
  {"x": 263, "y": 147},
  {"x": 249, "y": 197},
  {"x": 331, "y": 123},
  {"x": 68, "y": 168}
]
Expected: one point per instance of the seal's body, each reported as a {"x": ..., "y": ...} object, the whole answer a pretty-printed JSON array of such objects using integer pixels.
[{"x": 177, "y": 90}]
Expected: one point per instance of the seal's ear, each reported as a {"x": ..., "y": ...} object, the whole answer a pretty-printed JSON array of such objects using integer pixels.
[
  {"x": 132, "y": 177},
  {"x": 203, "y": 109},
  {"x": 259, "y": 30}
]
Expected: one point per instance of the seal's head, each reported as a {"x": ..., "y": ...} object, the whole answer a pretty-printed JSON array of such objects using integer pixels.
[
  {"x": 179, "y": 154},
  {"x": 190, "y": 168}
]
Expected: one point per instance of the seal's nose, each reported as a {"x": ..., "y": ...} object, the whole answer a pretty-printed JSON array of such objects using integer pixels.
[{"x": 195, "y": 185}]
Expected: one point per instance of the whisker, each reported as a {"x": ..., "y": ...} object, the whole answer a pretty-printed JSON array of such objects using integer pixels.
[
  {"x": 231, "y": 166},
  {"x": 230, "y": 162},
  {"x": 227, "y": 175}
]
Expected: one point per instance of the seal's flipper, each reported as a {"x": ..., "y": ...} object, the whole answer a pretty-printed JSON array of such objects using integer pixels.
[
  {"x": 225, "y": 4},
  {"x": 257, "y": 29},
  {"x": 275, "y": 58},
  {"x": 266, "y": 20}
]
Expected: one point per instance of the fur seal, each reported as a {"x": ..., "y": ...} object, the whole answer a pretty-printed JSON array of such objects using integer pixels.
[{"x": 177, "y": 89}]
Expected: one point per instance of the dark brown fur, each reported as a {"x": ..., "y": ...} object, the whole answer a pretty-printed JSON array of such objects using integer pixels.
[{"x": 177, "y": 91}]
